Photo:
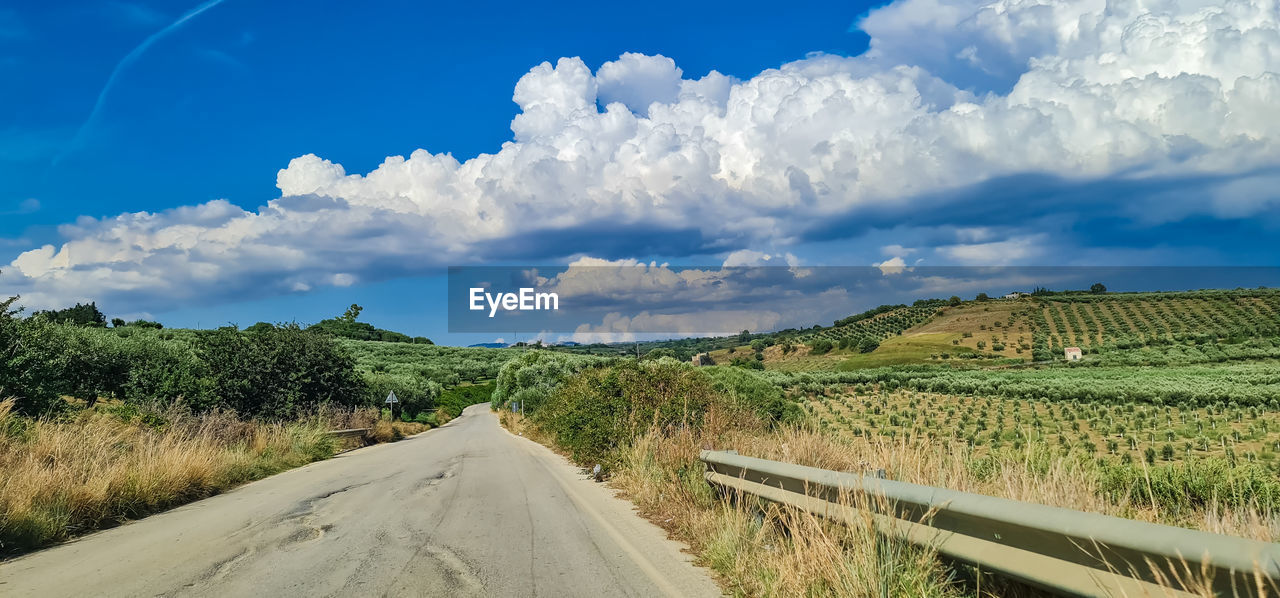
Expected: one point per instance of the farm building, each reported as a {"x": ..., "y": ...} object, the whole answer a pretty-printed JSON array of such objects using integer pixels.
[
  {"x": 702, "y": 359},
  {"x": 1014, "y": 295},
  {"x": 1073, "y": 353}
]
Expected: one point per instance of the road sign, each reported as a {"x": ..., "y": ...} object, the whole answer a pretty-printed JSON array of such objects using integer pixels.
[{"x": 391, "y": 398}]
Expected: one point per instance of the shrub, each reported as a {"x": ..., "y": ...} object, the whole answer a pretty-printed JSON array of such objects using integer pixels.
[
  {"x": 416, "y": 394},
  {"x": 279, "y": 372},
  {"x": 530, "y": 378},
  {"x": 598, "y": 410},
  {"x": 29, "y": 368}
]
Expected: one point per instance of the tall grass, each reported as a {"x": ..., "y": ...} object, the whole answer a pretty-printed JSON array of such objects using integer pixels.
[
  {"x": 778, "y": 551},
  {"x": 96, "y": 468}
]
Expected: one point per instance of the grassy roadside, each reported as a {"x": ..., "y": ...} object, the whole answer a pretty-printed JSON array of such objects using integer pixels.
[
  {"x": 647, "y": 422},
  {"x": 63, "y": 477},
  {"x": 777, "y": 552}
]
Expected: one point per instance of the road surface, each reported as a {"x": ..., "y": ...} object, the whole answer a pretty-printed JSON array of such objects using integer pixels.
[{"x": 464, "y": 510}]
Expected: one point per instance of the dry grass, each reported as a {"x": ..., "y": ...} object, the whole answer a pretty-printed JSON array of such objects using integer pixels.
[
  {"x": 771, "y": 551},
  {"x": 62, "y": 477}
]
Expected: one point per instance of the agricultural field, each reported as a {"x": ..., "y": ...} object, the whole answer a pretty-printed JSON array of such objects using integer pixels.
[
  {"x": 878, "y": 326},
  {"x": 1114, "y": 329},
  {"x": 1124, "y": 433},
  {"x": 1127, "y": 321}
]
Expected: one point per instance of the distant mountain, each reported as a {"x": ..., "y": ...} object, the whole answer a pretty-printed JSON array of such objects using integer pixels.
[{"x": 489, "y": 345}]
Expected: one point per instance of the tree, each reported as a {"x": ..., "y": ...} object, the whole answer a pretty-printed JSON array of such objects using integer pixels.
[
  {"x": 954, "y": 301},
  {"x": 1098, "y": 288},
  {"x": 92, "y": 364},
  {"x": 28, "y": 366},
  {"x": 868, "y": 344},
  {"x": 820, "y": 346},
  {"x": 83, "y": 314},
  {"x": 260, "y": 327},
  {"x": 659, "y": 353},
  {"x": 981, "y": 297},
  {"x": 278, "y": 373},
  {"x": 352, "y": 313},
  {"x": 117, "y": 323}
]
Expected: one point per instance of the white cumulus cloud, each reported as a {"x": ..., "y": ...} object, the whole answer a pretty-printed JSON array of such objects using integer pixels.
[{"x": 953, "y": 95}]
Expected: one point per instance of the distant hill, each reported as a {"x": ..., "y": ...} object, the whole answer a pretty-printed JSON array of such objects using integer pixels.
[
  {"x": 361, "y": 331},
  {"x": 488, "y": 345}
]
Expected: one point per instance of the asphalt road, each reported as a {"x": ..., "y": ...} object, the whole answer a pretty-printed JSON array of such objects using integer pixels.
[{"x": 464, "y": 510}]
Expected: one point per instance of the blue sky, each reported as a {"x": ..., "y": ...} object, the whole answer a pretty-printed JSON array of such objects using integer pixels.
[
  {"x": 215, "y": 108},
  {"x": 691, "y": 133}
]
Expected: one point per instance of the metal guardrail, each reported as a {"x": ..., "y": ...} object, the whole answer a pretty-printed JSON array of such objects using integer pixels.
[
  {"x": 349, "y": 433},
  {"x": 1061, "y": 550}
]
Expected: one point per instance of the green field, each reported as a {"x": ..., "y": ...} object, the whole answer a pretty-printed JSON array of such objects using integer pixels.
[{"x": 903, "y": 350}]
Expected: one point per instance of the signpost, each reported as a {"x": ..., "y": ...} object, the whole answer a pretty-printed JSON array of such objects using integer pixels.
[{"x": 392, "y": 402}]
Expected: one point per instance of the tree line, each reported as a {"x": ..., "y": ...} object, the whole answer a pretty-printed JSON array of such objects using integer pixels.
[{"x": 272, "y": 371}]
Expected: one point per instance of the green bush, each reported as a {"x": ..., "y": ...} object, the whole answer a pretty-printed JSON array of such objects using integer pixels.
[
  {"x": 455, "y": 399},
  {"x": 29, "y": 362},
  {"x": 530, "y": 378},
  {"x": 600, "y": 409},
  {"x": 416, "y": 394},
  {"x": 280, "y": 372},
  {"x": 594, "y": 412}
]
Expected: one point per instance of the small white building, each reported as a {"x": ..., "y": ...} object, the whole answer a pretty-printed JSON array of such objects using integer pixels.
[
  {"x": 701, "y": 359},
  {"x": 1014, "y": 295},
  {"x": 1072, "y": 353}
]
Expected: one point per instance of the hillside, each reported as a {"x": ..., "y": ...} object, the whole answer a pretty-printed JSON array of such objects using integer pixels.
[
  {"x": 1125, "y": 321},
  {"x": 1123, "y": 326}
]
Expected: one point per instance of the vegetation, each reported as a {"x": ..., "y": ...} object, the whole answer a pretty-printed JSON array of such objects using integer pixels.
[
  {"x": 1107, "y": 322},
  {"x": 267, "y": 371},
  {"x": 1248, "y": 384},
  {"x": 454, "y": 400},
  {"x": 526, "y": 382},
  {"x": 346, "y": 326},
  {"x": 1181, "y": 459},
  {"x": 82, "y": 314}
]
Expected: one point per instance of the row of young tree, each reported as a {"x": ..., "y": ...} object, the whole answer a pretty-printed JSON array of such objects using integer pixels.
[{"x": 1242, "y": 382}]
